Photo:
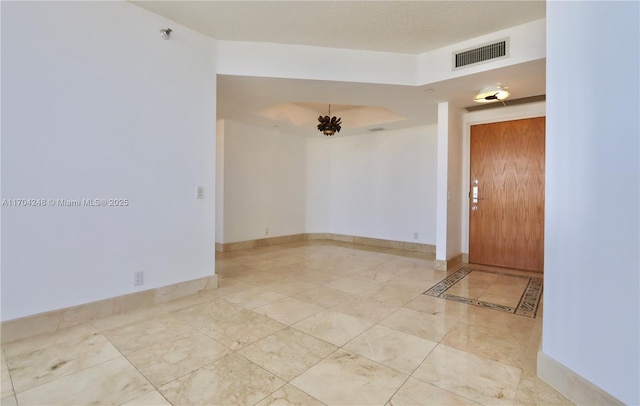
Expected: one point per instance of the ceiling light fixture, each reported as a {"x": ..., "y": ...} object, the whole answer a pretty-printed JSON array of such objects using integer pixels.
[
  {"x": 329, "y": 125},
  {"x": 491, "y": 94}
]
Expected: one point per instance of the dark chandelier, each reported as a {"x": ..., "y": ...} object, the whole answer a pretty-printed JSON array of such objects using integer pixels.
[{"x": 329, "y": 125}]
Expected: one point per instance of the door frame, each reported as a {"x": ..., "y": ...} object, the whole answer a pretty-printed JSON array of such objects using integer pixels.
[{"x": 483, "y": 117}]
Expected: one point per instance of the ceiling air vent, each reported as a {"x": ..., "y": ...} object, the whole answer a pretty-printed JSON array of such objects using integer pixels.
[{"x": 484, "y": 53}]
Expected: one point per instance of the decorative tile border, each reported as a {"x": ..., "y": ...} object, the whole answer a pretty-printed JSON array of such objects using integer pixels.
[{"x": 527, "y": 306}]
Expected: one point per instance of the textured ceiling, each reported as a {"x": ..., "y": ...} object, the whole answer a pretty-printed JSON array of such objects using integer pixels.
[{"x": 393, "y": 26}]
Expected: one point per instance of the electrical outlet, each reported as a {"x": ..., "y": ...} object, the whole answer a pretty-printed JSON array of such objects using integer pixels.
[
  {"x": 415, "y": 235},
  {"x": 266, "y": 231},
  {"x": 138, "y": 278},
  {"x": 200, "y": 193}
]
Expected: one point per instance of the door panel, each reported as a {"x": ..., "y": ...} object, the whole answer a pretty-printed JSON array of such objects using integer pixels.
[{"x": 506, "y": 228}]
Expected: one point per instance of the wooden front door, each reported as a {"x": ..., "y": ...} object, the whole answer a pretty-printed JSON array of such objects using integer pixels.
[{"x": 506, "y": 211}]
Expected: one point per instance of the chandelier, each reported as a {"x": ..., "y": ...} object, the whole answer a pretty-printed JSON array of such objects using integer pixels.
[{"x": 329, "y": 125}]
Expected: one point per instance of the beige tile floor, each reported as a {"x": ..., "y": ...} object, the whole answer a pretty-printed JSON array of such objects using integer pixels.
[{"x": 307, "y": 323}]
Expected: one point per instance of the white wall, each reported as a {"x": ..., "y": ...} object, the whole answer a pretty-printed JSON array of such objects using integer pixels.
[
  {"x": 382, "y": 185},
  {"x": 264, "y": 182},
  {"x": 449, "y": 178},
  {"x": 319, "y": 192},
  {"x": 378, "y": 185},
  {"x": 309, "y": 62},
  {"x": 220, "y": 181},
  {"x": 97, "y": 105},
  {"x": 454, "y": 183},
  {"x": 592, "y": 264},
  {"x": 527, "y": 43},
  {"x": 442, "y": 160}
]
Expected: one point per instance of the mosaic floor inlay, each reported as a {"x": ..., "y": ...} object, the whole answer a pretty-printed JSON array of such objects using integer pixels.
[{"x": 527, "y": 304}]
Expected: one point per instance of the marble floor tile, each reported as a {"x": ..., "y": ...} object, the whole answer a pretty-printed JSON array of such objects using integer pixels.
[
  {"x": 403, "y": 264},
  {"x": 369, "y": 259},
  {"x": 231, "y": 270},
  {"x": 417, "y": 286},
  {"x": 342, "y": 268},
  {"x": 288, "y": 352},
  {"x": 255, "y": 297},
  {"x": 467, "y": 289},
  {"x": 204, "y": 313},
  {"x": 288, "y": 310},
  {"x": 6, "y": 387},
  {"x": 377, "y": 274},
  {"x": 317, "y": 277},
  {"x": 317, "y": 262},
  {"x": 153, "y": 398},
  {"x": 415, "y": 392},
  {"x": 503, "y": 300},
  {"x": 258, "y": 278},
  {"x": 283, "y": 259},
  {"x": 426, "y": 274},
  {"x": 492, "y": 319},
  {"x": 261, "y": 264},
  {"x": 167, "y": 361},
  {"x": 290, "y": 286},
  {"x": 354, "y": 286},
  {"x": 530, "y": 358},
  {"x": 284, "y": 271},
  {"x": 182, "y": 302},
  {"x": 334, "y": 327},
  {"x": 123, "y": 319},
  {"x": 532, "y": 391},
  {"x": 420, "y": 324},
  {"x": 482, "y": 278},
  {"x": 365, "y": 308},
  {"x": 487, "y": 343},
  {"x": 344, "y": 378},
  {"x": 481, "y": 380},
  {"x": 110, "y": 383},
  {"x": 280, "y": 314},
  {"x": 41, "y": 341},
  {"x": 241, "y": 329},
  {"x": 289, "y": 395},
  {"x": 144, "y": 334},
  {"x": 232, "y": 380},
  {"x": 499, "y": 289},
  {"x": 436, "y": 306},
  {"x": 50, "y": 363},
  {"x": 324, "y": 296},
  {"x": 9, "y": 401},
  {"x": 400, "y": 351},
  {"x": 226, "y": 286},
  {"x": 395, "y": 295}
]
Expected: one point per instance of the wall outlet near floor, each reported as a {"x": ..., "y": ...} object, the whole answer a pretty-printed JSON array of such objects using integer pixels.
[
  {"x": 266, "y": 231},
  {"x": 415, "y": 235},
  {"x": 138, "y": 278}
]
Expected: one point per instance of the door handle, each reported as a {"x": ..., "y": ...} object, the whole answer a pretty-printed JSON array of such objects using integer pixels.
[
  {"x": 474, "y": 192},
  {"x": 475, "y": 198}
]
